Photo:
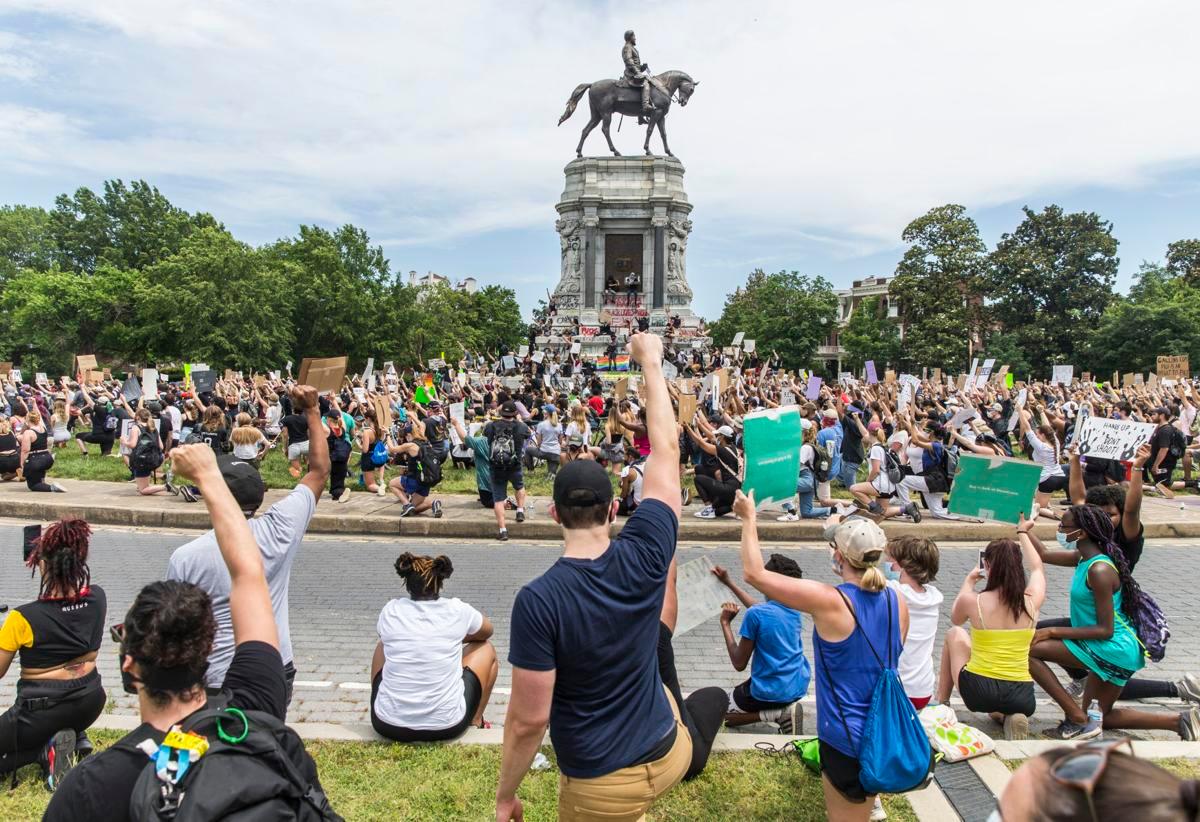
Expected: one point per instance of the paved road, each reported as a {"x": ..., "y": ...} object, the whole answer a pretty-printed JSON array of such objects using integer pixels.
[{"x": 339, "y": 586}]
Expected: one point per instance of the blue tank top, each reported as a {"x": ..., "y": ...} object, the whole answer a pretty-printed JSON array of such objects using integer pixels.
[{"x": 851, "y": 668}]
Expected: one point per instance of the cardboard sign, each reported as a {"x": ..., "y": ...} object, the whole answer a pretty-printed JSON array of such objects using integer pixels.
[
  {"x": 383, "y": 411},
  {"x": 1063, "y": 374},
  {"x": 962, "y": 382},
  {"x": 687, "y": 408},
  {"x": 813, "y": 391},
  {"x": 1138, "y": 379},
  {"x": 889, "y": 376},
  {"x": 722, "y": 380},
  {"x": 621, "y": 388},
  {"x": 85, "y": 362},
  {"x": 937, "y": 375},
  {"x": 872, "y": 377},
  {"x": 1173, "y": 368},
  {"x": 994, "y": 488},
  {"x": 701, "y": 595},
  {"x": 324, "y": 374},
  {"x": 1113, "y": 439},
  {"x": 772, "y": 442}
]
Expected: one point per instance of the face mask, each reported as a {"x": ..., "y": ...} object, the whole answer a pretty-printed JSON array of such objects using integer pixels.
[
  {"x": 889, "y": 572},
  {"x": 1064, "y": 542}
]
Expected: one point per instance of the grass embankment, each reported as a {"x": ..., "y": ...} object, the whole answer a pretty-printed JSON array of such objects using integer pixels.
[{"x": 370, "y": 781}]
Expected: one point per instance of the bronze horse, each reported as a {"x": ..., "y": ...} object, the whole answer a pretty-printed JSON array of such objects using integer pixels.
[{"x": 606, "y": 98}]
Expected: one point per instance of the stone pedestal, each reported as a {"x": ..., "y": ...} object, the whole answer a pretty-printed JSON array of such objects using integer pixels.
[{"x": 623, "y": 228}]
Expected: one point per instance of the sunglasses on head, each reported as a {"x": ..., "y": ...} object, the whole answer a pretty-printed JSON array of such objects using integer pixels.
[{"x": 1083, "y": 767}]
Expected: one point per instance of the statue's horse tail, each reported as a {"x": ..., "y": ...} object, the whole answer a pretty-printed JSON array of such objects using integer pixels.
[{"x": 574, "y": 101}]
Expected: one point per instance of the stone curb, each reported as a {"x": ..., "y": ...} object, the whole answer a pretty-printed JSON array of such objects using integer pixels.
[{"x": 37, "y": 507}]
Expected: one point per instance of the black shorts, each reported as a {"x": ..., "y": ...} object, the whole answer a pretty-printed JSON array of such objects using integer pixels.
[
  {"x": 843, "y": 773},
  {"x": 1055, "y": 482},
  {"x": 138, "y": 474},
  {"x": 1163, "y": 475},
  {"x": 501, "y": 481},
  {"x": 485, "y": 498},
  {"x": 10, "y": 463},
  {"x": 95, "y": 439},
  {"x": 984, "y": 695},
  {"x": 746, "y": 703},
  {"x": 472, "y": 690}
]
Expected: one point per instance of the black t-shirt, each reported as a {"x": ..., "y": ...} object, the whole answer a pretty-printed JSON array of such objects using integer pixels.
[
  {"x": 296, "y": 427},
  {"x": 852, "y": 450},
  {"x": 103, "y": 782},
  {"x": 100, "y": 415},
  {"x": 1132, "y": 549},
  {"x": 1161, "y": 441}
]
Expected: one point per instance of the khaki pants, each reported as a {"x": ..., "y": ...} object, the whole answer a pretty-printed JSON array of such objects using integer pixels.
[{"x": 628, "y": 793}]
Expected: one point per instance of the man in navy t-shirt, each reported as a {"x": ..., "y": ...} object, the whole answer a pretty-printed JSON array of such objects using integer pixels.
[{"x": 584, "y": 637}]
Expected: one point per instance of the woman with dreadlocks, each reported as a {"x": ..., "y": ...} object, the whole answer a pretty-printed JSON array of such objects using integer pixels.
[
  {"x": 59, "y": 694},
  {"x": 433, "y": 669},
  {"x": 1102, "y": 638}
]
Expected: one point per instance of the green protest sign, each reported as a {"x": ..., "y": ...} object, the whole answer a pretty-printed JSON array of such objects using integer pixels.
[
  {"x": 772, "y": 441},
  {"x": 994, "y": 488}
]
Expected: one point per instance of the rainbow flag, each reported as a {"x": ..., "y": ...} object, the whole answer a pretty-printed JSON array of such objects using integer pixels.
[{"x": 617, "y": 363}]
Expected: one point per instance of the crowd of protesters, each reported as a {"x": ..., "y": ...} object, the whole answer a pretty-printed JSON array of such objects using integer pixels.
[{"x": 623, "y": 731}]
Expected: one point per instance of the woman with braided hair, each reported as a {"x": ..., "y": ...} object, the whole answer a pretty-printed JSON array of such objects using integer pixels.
[
  {"x": 59, "y": 694},
  {"x": 1101, "y": 637},
  {"x": 433, "y": 669}
]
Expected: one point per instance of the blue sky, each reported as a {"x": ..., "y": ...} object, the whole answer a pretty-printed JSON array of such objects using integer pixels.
[{"x": 817, "y": 133}]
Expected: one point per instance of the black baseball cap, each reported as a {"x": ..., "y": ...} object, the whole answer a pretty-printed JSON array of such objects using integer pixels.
[
  {"x": 509, "y": 409},
  {"x": 582, "y": 484},
  {"x": 244, "y": 482}
]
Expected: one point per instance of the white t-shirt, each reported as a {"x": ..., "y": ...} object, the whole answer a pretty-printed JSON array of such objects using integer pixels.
[
  {"x": 176, "y": 421},
  {"x": 573, "y": 429},
  {"x": 916, "y": 660},
  {"x": 916, "y": 458},
  {"x": 1044, "y": 456},
  {"x": 807, "y": 455},
  {"x": 635, "y": 490},
  {"x": 881, "y": 483},
  {"x": 278, "y": 533},
  {"x": 422, "y": 688}
]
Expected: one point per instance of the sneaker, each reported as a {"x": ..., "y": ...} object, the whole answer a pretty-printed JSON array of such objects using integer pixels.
[
  {"x": 187, "y": 494},
  {"x": 408, "y": 510},
  {"x": 788, "y": 517},
  {"x": 1075, "y": 688},
  {"x": 1069, "y": 730},
  {"x": 171, "y": 489},
  {"x": 878, "y": 814},
  {"x": 1189, "y": 724},
  {"x": 345, "y": 497},
  {"x": 791, "y": 721},
  {"x": 381, "y": 490},
  {"x": 912, "y": 510},
  {"x": 874, "y": 507},
  {"x": 83, "y": 746},
  {"x": 520, "y": 515},
  {"x": 687, "y": 496},
  {"x": 56, "y": 488},
  {"x": 131, "y": 477},
  {"x": 503, "y": 535},
  {"x": 1016, "y": 726},
  {"x": 58, "y": 757},
  {"x": 707, "y": 513},
  {"x": 437, "y": 509},
  {"x": 1189, "y": 688}
]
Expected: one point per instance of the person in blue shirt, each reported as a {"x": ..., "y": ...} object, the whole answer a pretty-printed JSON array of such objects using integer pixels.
[
  {"x": 770, "y": 641},
  {"x": 831, "y": 435}
]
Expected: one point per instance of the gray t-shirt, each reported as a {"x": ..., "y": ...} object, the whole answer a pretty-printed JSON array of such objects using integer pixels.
[{"x": 278, "y": 533}]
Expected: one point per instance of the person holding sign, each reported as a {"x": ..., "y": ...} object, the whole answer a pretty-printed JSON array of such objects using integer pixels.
[
  {"x": 1105, "y": 635},
  {"x": 1044, "y": 449},
  {"x": 718, "y": 491}
]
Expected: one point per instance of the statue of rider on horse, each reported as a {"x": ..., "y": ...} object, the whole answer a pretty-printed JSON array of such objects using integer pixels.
[{"x": 608, "y": 97}]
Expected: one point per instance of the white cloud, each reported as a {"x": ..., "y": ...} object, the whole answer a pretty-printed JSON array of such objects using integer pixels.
[{"x": 825, "y": 123}]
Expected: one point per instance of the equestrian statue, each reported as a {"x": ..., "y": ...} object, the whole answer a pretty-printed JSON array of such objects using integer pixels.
[{"x": 637, "y": 94}]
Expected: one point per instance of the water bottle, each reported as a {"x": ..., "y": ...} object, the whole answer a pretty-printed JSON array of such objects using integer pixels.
[
  {"x": 540, "y": 762},
  {"x": 1094, "y": 714}
]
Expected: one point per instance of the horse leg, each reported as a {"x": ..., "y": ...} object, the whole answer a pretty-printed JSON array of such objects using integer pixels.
[
  {"x": 650, "y": 130},
  {"x": 662, "y": 132},
  {"x": 608, "y": 136},
  {"x": 586, "y": 131}
]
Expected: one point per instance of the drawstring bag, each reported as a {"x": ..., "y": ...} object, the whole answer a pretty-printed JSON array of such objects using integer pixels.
[
  {"x": 894, "y": 754},
  {"x": 952, "y": 739}
]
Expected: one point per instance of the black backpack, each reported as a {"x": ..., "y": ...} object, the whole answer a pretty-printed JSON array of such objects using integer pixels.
[
  {"x": 822, "y": 462},
  {"x": 435, "y": 428},
  {"x": 429, "y": 467},
  {"x": 891, "y": 466},
  {"x": 247, "y": 774},
  {"x": 1178, "y": 443},
  {"x": 505, "y": 450},
  {"x": 147, "y": 453}
]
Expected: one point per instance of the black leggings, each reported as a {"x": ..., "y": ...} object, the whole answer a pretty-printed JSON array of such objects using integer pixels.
[
  {"x": 718, "y": 494},
  {"x": 1134, "y": 688},
  {"x": 337, "y": 477},
  {"x": 105, "y": 443},
  {"x": 43, "y": 708},
  {"x": 702, "y": 712},
  {"x": 36, "y": 466}
]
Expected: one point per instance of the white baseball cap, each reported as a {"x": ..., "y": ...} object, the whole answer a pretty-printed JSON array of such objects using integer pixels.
[{"x": 861, "y": 541}]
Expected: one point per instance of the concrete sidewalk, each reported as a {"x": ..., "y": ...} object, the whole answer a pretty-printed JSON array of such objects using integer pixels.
[{"x": 112, "y": 503}]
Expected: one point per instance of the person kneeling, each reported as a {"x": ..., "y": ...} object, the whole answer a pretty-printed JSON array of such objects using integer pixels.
[{"x": 433, "y": 669}]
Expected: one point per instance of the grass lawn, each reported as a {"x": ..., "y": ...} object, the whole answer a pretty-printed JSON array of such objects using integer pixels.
[{"x": 452, "y": 782}]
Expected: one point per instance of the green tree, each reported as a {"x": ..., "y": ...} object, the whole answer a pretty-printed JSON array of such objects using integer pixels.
[
  {"x": 24, "y": 240},
  {"x": 870, "y": 335},
  {"x": 1051, "y": 280},
  {"x": 217, "y": 300},
  {"x": 788, "y": 312},
  {"x": 1183, "y": 260},
  {"x": 1006, "y": 350},
  {"x": 497, "y": 316},
  {"x": 938, "y": 284},
  {"x": 1160, "y": 316},
  {"x": 129, "y": 227}
]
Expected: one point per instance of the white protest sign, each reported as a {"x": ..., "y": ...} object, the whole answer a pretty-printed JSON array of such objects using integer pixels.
[
  {"x": 523, "y": 351},
  {"x": 1113, "y": 439},
  {"x": 369, "y": 370},
  {"x": 1063, "y": 374},
  {"x": 748, "y": 346},
  {"x": 786, "y": 398},
  {"x": 149, "y": 382},
  {"x": 987, "y": 370},
  {"x": 670, "y": 372},
  {"x": 458, "y": 411},
  {"x": 508, "y": 362},
  {"x": 40, "y": 378},
  {"x": 974, "y": 367},
  {"x": 538, "y": 356},
  {"x": 738, "y": 337},
  {"x": 960, "y": 417},
  {"x": 576, "y": 347},
  {"x": 700, "y": 595}
]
